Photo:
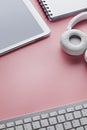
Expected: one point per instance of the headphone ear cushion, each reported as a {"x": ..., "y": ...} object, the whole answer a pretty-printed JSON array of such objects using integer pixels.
[{"x": 69, "y": 47}]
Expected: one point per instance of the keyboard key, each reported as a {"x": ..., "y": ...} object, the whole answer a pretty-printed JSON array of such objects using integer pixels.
[
  {"x": 20, "y": 127},
  {"x": 84, "y": 112},
  {"x": 50, "y": 128},
  {"x": 78, "y": 107},
  {"x": 44, "y": 123},
  {"x": 53, "y": 113},
  {"x": 59, "y": 127},
  {"x": 85, "y": 127},
  {"x": 43, "y": 116},
  {"x": 36, "y": 125},
  {"x": 83, "y": 121},
  {"x": 12, "y": 128},
  {"x": 27, "y": 120},
  {"x": 69, "y": 116},
  {"x": 80, "y": 128},
  {"x": 27, "y": 126},
  {"x": 67, "y": 125},
  {"x": 10, "y": 124},
  {"x": 77, "y": 114},
  {"x": 61, "y": 118},
  {"x": 19, "y": 122},
  {"x": 2, "y": 126},
  {"x": 62, "y": 111},
  {"x": 36, "y": 118},
  {"x": 70, "y": 109},
  {"x": 53, "y": 121},
  {"x": 85, "y": 105},
  {"x": 75, "y": 123}
]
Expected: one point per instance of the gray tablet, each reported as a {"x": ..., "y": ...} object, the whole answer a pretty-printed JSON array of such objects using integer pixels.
[{"x": 20, "y": 24}]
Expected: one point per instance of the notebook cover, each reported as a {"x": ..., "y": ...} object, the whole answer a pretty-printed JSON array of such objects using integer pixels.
[{"x": 57, "y": 9}]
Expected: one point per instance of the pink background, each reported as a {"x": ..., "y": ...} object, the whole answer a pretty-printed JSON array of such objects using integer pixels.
[{"x": 41, "y": 75}]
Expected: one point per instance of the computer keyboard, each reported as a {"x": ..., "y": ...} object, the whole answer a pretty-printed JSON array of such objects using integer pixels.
[{"x": 68, "y": 117}]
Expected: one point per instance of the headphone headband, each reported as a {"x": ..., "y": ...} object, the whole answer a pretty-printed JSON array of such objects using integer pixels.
[
  {"x": 73, "y": 41},
  {"x": 77, "y": 19}
]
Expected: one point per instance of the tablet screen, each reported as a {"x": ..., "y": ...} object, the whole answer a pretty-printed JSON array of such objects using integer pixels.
[{"x": 16, "y": 23}]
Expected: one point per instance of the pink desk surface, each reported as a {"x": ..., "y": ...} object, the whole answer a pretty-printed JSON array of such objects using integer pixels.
[{"x": 41, "y": 75}]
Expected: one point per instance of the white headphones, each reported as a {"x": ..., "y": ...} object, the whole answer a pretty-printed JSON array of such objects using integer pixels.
[{"x": 74, "y": 42}]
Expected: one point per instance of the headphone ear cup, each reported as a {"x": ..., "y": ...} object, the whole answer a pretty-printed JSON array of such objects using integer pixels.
[{"x": 69, "y": 47}]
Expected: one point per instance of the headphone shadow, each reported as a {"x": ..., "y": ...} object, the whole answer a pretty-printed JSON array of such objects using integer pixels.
[{"x": 72, "y": 60}]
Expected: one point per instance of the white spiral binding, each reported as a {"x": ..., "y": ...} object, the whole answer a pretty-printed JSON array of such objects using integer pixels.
[{"x": 45, "y": 8}]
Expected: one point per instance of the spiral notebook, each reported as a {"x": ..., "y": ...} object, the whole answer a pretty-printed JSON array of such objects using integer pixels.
[{"x": 57, "y": 9}]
